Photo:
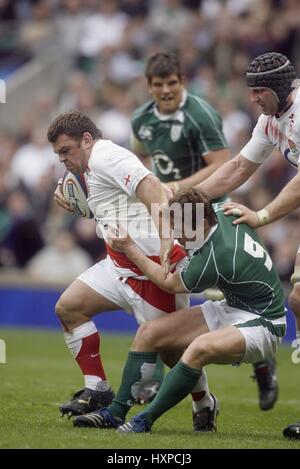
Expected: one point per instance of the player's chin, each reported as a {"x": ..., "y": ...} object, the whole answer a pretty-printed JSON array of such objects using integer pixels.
[{"x": 168, "y": 107}]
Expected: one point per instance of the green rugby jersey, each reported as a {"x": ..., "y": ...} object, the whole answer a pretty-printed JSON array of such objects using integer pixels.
[
  {"x": 177, "y": 142},
  {"x": 235, "y": 259}
]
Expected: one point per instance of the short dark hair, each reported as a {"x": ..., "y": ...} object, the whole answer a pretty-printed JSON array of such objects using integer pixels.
[
  {"x": 74, "y": 124},
  {"x": 194, "y": 196},
  {"x": 162, "y": 65}
]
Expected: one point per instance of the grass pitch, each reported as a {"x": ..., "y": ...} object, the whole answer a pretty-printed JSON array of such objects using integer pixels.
[{"x": 40, "y": 374}]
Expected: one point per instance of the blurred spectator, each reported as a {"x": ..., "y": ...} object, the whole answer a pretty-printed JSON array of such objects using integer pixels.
[
  {"x": 102, "y": 29},
  {"x": 7, "y": 10},
  {"x": 85, "y": 234},
  {"x": 60, "y": 261},
  {"x": 114, "y": 122},
  {"x": 69, "y": 23},
  {"x": 39, "y": 30},
  {"x": 34, "y": 160},
  {"x": 135, "y": 8},
  {"x": 169, "y": 18},
  {"x": 23, "y": 238}
]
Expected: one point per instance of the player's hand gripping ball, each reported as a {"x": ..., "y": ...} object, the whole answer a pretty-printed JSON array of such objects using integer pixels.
[{"x": 75, "y": 191}]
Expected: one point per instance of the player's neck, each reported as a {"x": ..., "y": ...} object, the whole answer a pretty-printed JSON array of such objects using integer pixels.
[
  {"x": 87, "y": 157},
  {"x": 289, "y": 103}
]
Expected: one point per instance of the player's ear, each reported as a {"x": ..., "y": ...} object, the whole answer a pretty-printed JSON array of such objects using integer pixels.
[
  {"x": 206, "y": 227},
  {"x": 87, "y": 140}
]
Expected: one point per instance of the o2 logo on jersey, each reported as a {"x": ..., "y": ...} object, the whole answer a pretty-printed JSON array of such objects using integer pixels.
[{"x": 165, "y": 165}]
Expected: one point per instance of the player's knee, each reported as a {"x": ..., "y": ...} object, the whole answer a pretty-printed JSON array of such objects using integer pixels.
[
  {"x": 294, "y": 300},
  {"x": 202, "y": 350},
  {"x": 64, "y": 310},
  {"x": 147, "y": 337}
]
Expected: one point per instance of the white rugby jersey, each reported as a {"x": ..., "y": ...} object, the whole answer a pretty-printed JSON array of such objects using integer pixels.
[
  {"x": 112, "y": 177},
  {"x": 282, "y": 132}
]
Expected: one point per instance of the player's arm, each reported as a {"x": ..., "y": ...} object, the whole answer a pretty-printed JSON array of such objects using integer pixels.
[
  {"x": 286, "y": 201},
  {"x": 228, "y": 177},
  {"x": 139, "y": 150},
  {"x": 171, "y": 283},
  {"x": 152, "y": 193},
  {"x": 213, "y": 160},
  {"x": 236, "y": 171}
]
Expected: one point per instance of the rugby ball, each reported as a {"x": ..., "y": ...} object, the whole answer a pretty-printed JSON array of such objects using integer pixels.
[{"x": 74, "y": 190}]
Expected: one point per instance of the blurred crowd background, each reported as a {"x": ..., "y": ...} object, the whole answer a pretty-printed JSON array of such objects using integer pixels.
[{"x": 102, "y": 47}]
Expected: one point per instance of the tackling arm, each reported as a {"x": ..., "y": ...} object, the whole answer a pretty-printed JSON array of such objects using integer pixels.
[
  {"x": 171, "y": 283},
  {"x": 228, "y": 177},
  {"x": 286, "y": 201},
  {"x": 152, "y": 193}
]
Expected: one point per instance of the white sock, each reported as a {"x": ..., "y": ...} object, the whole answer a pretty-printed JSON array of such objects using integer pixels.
[
  {"x": 95, "y": 383},
  {"x": 202, "y": 387},
  {"x": 74, "y": 338},
  {"x": 74, "y": 342}
]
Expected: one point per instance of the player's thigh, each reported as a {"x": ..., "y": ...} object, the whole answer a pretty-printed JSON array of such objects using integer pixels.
[
  {"x": 79, "y": 297},
  {"x": 174, "y": 330},
  {"x": 223, "y": 346}
]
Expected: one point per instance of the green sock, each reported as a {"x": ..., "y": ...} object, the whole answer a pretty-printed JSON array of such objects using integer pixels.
[
  {"x": 159, "y": 371},
  {"x": 132, "y": 373},
  {"x": 177, "y": 384},
  {"x": 266, "y": 362}
]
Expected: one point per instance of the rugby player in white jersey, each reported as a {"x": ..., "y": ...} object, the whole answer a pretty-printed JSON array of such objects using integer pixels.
[
  {"x": 271, "y": 80},
  {"x": 121, "y": 190}
]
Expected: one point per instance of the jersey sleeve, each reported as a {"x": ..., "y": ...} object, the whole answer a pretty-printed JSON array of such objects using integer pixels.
[
  {"x": 136, "y": 145},
  {"x": 259, "y": 147},
  {"x": 201, "y": 272},
  {"x": 209, "y": 126},
  {"x": 124, "y": 170}
]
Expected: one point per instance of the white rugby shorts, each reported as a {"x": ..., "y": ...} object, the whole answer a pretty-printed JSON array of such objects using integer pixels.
[
  {"x": 261, "y": 343},
  {"x": 141, "y": 298}
]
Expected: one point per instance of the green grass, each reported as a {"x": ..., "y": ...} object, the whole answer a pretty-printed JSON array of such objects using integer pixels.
[{"x": 40, "y": 374}]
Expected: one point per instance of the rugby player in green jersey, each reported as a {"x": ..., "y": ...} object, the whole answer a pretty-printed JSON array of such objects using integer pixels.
[
  {"x": 177, "y": 134},
  {"x": 247, "y": 326},
  {"x": 180, "y": 137}
]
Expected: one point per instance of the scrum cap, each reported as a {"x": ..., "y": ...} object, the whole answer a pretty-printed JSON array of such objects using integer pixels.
[{"x": 274, "y": 71}]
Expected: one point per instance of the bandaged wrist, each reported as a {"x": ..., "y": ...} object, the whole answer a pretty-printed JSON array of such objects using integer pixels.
[{"x": 263, "y": 216}]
